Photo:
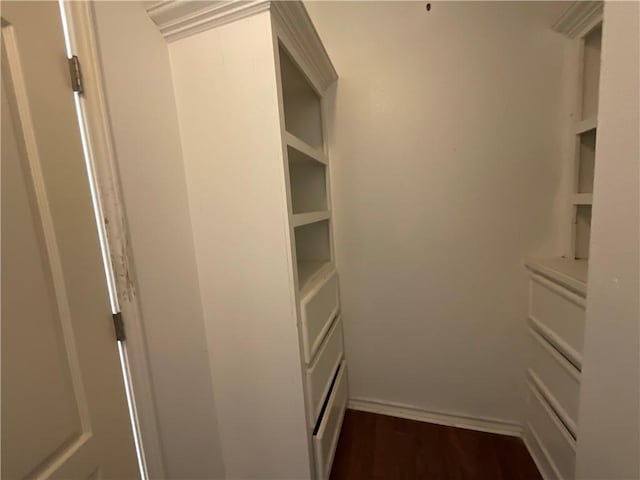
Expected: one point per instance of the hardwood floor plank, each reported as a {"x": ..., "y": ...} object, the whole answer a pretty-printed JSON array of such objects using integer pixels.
[{"x": 380, "y": 447}]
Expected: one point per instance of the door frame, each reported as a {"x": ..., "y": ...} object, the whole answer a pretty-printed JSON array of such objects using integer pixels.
[{"x": 82, "y": 32}]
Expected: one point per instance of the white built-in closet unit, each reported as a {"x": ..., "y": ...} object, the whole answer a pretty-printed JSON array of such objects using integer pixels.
[
  {"x": 558, "y": 286},
  {"x": 250, "y": 80}
]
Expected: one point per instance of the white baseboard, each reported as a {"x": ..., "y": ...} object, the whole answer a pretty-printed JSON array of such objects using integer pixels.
[
  {"x": 489, "y": 425},
  {"x": 539, "y": 455}
]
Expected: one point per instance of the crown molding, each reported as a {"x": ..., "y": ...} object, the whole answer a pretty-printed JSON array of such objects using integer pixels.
[
  {"x": 293, "y": 19},
  {"x": 179, "y": 19},
  {"x": 579, "y": 18}
]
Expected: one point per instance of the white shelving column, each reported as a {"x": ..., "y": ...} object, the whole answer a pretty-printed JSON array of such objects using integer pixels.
[
  {"x": 589, "y": 40},
  {"x": 558, "y": 286},
  {"x": 250, "y": 79}
]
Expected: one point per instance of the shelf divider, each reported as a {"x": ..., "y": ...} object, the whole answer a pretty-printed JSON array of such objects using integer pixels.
[
  {"x": 305, "y": 148},
  {"x": 587, "y": 124},
  {"x": 582, "y": 199},
  {"x": 300, "y": 219}
]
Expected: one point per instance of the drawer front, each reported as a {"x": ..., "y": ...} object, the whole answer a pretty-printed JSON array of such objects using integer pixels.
[
  {"x": 325, "y": 439},
  {"x": 561, "y": 314},
  {"x": 320, "y": 374},
  {"x": 318, "y": 308},
  {"x": 549, "y": 432},
  {"x": 558, "y": 379}
]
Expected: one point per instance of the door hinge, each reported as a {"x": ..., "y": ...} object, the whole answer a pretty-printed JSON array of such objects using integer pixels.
[
  {"x": 76, "y": 74},
  {"x": 118, "y": 324}
]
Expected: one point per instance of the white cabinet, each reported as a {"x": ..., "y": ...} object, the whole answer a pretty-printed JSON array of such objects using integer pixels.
[
  {"x": 250, "y": 80},
  {"x": 557, "y": 289},
  {"x": 558, "y": 286}
]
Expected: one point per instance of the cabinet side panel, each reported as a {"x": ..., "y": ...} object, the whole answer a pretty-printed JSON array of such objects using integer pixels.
[
  {"x": 139, "y": 93},
  {"x": 609, "y": 421},
  {"x": 226, "y": 95}
]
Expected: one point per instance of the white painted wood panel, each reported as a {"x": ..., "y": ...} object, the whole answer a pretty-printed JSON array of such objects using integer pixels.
[
  {"x": 538, "y": 453},
  {"x": 609, "y": 428},
  {"x": 326, "y": 438},
  {"x": 555, "y": 440},
  {"x": 226, "y": 96},
  {"x": 321, "y": 373},
  {"x": 318, "y": 308},
  {"x": 559, "y": 315},
  {"x": 64, "y": 408},
  {"x": 161, "y": 277},
  {"x": 557, "y": 378},
  {"x": 31, "y": 363}
]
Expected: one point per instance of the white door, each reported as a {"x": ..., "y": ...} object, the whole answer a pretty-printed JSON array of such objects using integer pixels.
[{"x": 64, "y": 411}]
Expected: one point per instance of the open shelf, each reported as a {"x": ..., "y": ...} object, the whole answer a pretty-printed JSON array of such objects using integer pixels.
[
  {"x": 582, "y": 199},
  {"x": 567, "y": 271},
  {"x": 587, "y": 124},
  {"x": 586, "y": 162},
  {"x": 302, "y": 107},
  {"x": 591, "y": 72},
  {"x": 304, "y": 148},
  {"x": 313, "y": 250},
  {"x": 307, "y": 181},
  {"x": 302, "y": 219},
  {"x": 582, "y": 231}
]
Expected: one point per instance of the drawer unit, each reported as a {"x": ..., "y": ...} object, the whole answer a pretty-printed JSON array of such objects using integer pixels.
[
  {"x": 557, "y": 379},
  {"x": 320, "y": 374},
  {"x": 548, "y": 431},
  {"x": 318, "y": 307},
  {"x": 559, "y": 314},
  {"x": 327, "y": 432}
]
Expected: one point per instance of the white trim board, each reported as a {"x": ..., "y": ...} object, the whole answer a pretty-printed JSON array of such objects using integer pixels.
[
  {"x": 539, "y": 454},
  {"x": 489, "y": 425},
  {"x": 84, "y": 43},
  {"x": 180, "y": 19},
  {"x": 579, "y": 18}
]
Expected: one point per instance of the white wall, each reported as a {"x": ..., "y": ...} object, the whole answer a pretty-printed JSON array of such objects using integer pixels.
[
  {"x": 446, "y": 171},
  {"x": 141, "y": 103},
  {"x": 609, "y": 427}
]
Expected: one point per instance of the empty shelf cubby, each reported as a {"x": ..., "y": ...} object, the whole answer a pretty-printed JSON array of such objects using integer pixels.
[
  {"x": 582, "y": 231},
  {"x": 313, "y": 250},
  {"x": 308, "y": 182},
  {"x": 586, "y": 161},
  {"x": 302, "y": 107}
]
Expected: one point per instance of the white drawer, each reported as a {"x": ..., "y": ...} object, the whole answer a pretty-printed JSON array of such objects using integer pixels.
[
  {"x": 325, "y": 438},
  {"x": 318, "y": 307},
  {"x": 557, "y": 379},
  {"x": 320, "y": 374},
  {"x": 555, "y": 440},
  {"x": 559, "y": 314}
]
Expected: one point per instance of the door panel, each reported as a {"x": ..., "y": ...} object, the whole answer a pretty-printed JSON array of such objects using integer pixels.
[{"x": 64, "y": 412}]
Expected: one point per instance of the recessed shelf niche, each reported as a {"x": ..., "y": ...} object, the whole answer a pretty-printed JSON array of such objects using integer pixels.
[
  {"x": 313, "y": 250},
  {"x": 308, "y": 182},
  {"x": 586, "y": 161},
  {"x": 582, "y": 231},
  {"x": 591, "y": 72},
  {"x": 585, "y": 146},
  {"x": 302, "y": 110}
]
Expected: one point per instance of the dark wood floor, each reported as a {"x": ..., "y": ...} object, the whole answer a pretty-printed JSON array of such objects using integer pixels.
[{"x": 375, "y": 446}]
